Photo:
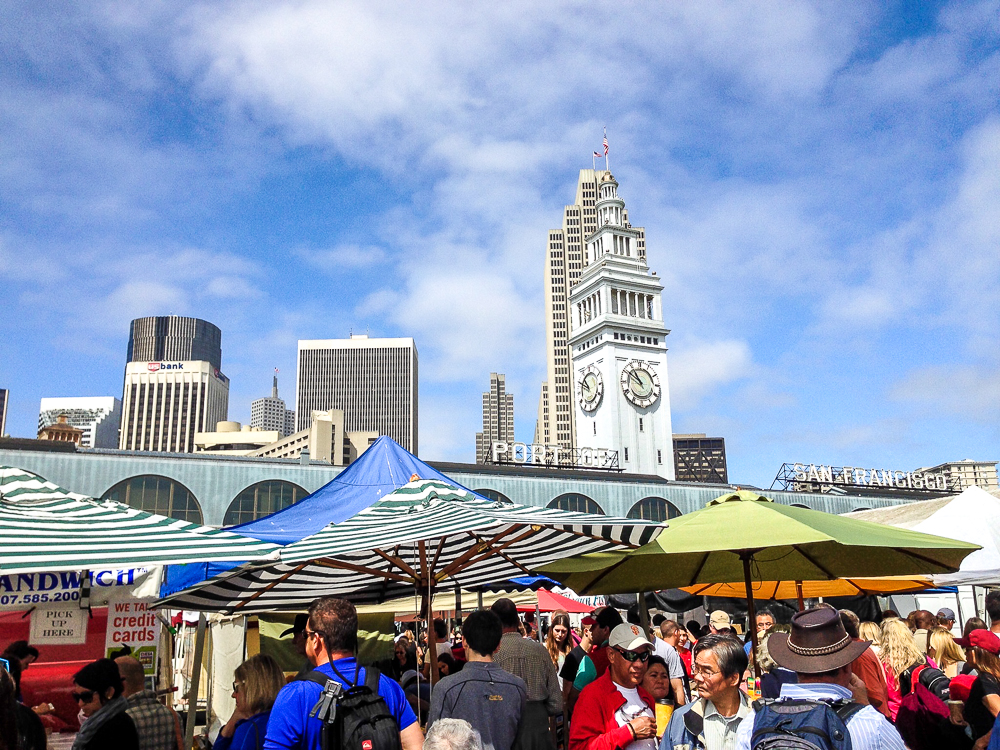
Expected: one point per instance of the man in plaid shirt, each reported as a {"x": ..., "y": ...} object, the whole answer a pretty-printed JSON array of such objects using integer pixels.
[{"x": 159, "y": 727}]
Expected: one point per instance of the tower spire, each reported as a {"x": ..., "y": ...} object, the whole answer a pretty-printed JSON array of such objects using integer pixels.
[{"x": 274, "y": 386}]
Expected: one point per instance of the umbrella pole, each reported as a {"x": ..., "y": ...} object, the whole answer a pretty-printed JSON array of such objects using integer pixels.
[
  {"x": 643, "y": 613},
  {"x": 538, "y": 620},
  {"x": 480, "y": 596},
  {"x": 751, "y": 612},
  {"x": 798, "y": 594}
]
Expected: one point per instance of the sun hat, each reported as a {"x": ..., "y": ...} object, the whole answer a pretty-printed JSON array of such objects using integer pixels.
[
  {"x": 818, "y": 643},
  {"x": 720, "y": 620}
]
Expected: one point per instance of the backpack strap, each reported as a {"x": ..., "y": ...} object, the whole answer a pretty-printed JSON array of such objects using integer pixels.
[
  {"x": 313, "y": 676},
  {"x": 372, "y": 676},
  {"x": 846, "y": 709}
]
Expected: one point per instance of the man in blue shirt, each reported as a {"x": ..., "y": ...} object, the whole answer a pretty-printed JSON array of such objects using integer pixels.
[{"x": 331, "y": 641}]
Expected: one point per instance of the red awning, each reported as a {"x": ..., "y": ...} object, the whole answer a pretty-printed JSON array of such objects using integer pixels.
[{"x": 549, "y": 601}]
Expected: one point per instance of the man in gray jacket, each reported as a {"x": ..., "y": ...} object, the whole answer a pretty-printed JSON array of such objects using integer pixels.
[{"x": 483, "y": 694}]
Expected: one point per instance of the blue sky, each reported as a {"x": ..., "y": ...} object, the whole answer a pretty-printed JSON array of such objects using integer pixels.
[{"x": 819, "y": 182}]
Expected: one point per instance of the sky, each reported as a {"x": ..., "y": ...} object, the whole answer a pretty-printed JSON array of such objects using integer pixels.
[{"x": 819, "y": 183}]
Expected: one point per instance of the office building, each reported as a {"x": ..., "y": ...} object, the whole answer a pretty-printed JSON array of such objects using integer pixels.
[
  {"x": 270, "y": 413},
  {"x": 498, "y": 417},
  {"x": 166, "y": 403},
  {"x": 373, "y": 381},
  {"x": 99, "y": 418},
  {"x": 564, "y": 263},
  {"x": 699, "y": 458},
  {"x": 618, "y": 346},
  {"x": 967, "y": 473},
  {"x": 176, "y": 339},
  {"x": 4, "y": 395}
]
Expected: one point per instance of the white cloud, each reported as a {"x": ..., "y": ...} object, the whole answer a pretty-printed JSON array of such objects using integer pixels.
[
  {"x": 969, "y": 391},
  {"x": 699, "y": 367},
  {"x": 336, "y": 260}
]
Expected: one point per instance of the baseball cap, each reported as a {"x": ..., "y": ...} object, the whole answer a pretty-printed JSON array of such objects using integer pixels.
[
  {"x": 946, "y": 614},
  {"x": 720, "y": 619},
  {"x": 983, "y": 639},
  {"x": 299, "y": 626},
  {"x": 629, "y": 637}
]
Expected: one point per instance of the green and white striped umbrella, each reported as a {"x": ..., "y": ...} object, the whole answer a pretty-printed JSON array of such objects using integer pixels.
[
  {"x": 427, "y": 531},
  {"x": 46, "y": 528}
]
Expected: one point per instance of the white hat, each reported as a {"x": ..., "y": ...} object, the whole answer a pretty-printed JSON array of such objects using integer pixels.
[{"x": 628, "y": 637}]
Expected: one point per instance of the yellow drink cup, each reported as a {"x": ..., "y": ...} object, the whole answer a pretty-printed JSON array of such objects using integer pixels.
[{"x": 664, "y": 710}]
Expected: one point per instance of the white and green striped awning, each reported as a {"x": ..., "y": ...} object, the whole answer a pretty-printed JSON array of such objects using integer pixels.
[
  {"x": 426, "y": 530},
  {"x": 46, "y": 528}
]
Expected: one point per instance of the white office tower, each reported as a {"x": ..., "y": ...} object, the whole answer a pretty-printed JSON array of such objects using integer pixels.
[
  {"x": 373, "y": 381},
  {"x": 619, "y": 345},
  {"x": 564, "y": 263},
  {"x": 98, "y": 416},
  {"x": 166, "y": 403},
  {"x": 270, "y": 414},
  {"x": 498, "y": 417}
]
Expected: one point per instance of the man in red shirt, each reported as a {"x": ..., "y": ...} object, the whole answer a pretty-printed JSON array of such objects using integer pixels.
[
  {"x": 868, "y": 667},
  {"x": 614, "y": 711}
]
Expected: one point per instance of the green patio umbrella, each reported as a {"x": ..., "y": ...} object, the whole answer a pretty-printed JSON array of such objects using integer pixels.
[{"x": 749, "y": 537}]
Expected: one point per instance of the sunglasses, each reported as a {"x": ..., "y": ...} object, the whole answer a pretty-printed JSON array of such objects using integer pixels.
[
  {"x": 84, "y": 696},
  {"x": 633, "y": 655}
]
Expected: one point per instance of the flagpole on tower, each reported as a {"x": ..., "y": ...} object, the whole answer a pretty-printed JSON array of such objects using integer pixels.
[{"x": 607, "y": 160}]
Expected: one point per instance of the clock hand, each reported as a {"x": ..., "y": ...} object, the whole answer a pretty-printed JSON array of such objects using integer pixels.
[{"x": 634, "y": 376}]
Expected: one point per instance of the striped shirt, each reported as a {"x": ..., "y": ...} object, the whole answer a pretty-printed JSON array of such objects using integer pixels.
[{"x": 869, "y": 729}]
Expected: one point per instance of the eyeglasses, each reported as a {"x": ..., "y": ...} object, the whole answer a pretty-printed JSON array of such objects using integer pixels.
[
  {"x": 310, "y": 633},
  {"x": 703, "y": 671},
  {"x": 633, "y": 655},
  {"x": 236, "y": 686},
  {"x": 84, "y": 696}
]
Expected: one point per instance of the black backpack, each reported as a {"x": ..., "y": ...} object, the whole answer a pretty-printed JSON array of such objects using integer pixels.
[
  {"x": 802, "y": 725},
  {"x": 354, "y": 718}
]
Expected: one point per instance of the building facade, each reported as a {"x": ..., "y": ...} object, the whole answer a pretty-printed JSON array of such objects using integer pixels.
[
  {"x": 968, "y": 473},
  {"x": 271, "y": 414},
  {"x": 61, "y": 431},
  {"x": 373, "y": 381},
  {"x": 174, "y": 338},
  {"x": 165, "y": 403},
  {"x": 699, "y": 458},
  {"x": 99, "y": 417},
  {"x": 498, "y": 417},
  {"x": 564, "y": 263},
  {"x": 618, "y": 345}
]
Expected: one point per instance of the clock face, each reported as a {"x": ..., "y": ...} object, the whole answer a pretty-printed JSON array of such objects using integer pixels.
[
  {"x": 640, "y": 384},
  {"x": 591, "y": 386}
]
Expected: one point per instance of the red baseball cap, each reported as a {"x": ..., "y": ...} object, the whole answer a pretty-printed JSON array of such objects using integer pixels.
[
  {"x": 589, "y": 620},
  {"x": 984, "y": 639},
  {"x": 960, "y": 686}
]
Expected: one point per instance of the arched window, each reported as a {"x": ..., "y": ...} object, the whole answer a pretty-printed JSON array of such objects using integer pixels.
[
  {"x": 577, "y": 503},
  {"x": 800, "y": 505},
  {"x": 262, "y": 499},
  {"x": 494, "y": 495},
  {"x": 654, "y": 509},
  {"x": 154, "y": 494}
]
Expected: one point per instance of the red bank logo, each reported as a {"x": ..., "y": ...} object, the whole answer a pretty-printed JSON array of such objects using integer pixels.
[{"x": 153, "y": 366}]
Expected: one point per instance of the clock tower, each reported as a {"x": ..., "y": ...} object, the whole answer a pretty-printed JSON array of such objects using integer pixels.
[{"x": 619, "y": 345}]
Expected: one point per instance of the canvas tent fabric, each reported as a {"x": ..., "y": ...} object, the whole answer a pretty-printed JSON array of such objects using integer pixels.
[
  {"x": 971, "y": 516},
  {"x": 44, "y": 528},
  {"x": 427, "y": 532},
  {"x": 550, "y": 601},
  {"x": 383, "y": 468}
]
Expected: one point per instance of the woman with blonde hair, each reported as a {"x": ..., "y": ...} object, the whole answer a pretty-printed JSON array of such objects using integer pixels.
[
  {"x": 900, "y": 656},
  {"x": 255, "y": 687},
  {"x": 949, "y": 655},
  {"x": 869, "y": 631}
]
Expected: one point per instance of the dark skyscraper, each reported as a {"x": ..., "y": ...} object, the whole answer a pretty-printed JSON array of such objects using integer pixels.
[{"x": 174, "y": 338}]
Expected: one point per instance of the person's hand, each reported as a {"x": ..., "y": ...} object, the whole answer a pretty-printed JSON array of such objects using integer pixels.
[
  {"x": 982, "y": 742},
  {"x": 230, "y": 726},
  {"x": 859, "y": 693},
  {"x": 42, "y": 709},
  {"x": 644, "y": 727}
]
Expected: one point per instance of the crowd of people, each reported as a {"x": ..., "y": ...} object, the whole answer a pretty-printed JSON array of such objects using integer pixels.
[{"x": 612, "y": 684}]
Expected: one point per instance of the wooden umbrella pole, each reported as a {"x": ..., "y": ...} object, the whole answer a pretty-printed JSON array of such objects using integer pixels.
[
  {"x": 798, "y": 594},
  {"x": 746, "y": 556}
]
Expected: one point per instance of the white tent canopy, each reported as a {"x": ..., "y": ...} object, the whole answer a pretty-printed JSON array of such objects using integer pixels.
[{"x": 973, "y": 516}]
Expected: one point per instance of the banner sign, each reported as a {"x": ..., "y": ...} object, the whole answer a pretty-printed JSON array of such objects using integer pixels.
[
  {"x": 133, "y": 630},
  {"x": 26, "y": 590},
  {"x": 824, "y": 478},
  {"x": 553, "y": 456},
  {"x": 65, "y": 625}
]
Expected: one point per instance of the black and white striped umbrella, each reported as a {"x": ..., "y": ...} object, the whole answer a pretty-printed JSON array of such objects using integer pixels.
[
  {"x": 425, "y": 534},
  {"x": 45, "y": 528}
]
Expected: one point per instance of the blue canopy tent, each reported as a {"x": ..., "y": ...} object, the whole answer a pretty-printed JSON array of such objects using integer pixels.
[{"x": 383, "y": 468}]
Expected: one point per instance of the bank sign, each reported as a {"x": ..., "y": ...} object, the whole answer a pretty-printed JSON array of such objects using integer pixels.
[
  {"x": 158, "y": 366},
  {"x": 26, "y": 590}
]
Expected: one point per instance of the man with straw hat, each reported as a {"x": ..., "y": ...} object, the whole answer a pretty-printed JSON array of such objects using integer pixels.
[{"x": 828, "y": 694}]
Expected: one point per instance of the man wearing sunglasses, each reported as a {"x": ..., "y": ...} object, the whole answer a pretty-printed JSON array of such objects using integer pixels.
[{"x": 614, "y": 711}]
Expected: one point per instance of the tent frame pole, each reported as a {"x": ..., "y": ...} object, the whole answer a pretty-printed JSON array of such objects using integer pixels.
[
  {"x": 199, "y": 649},
  {"x": 746, "y": 556}
]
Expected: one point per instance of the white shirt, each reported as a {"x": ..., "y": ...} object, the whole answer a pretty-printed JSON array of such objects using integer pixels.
[{"x": 634, "y": 706}]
